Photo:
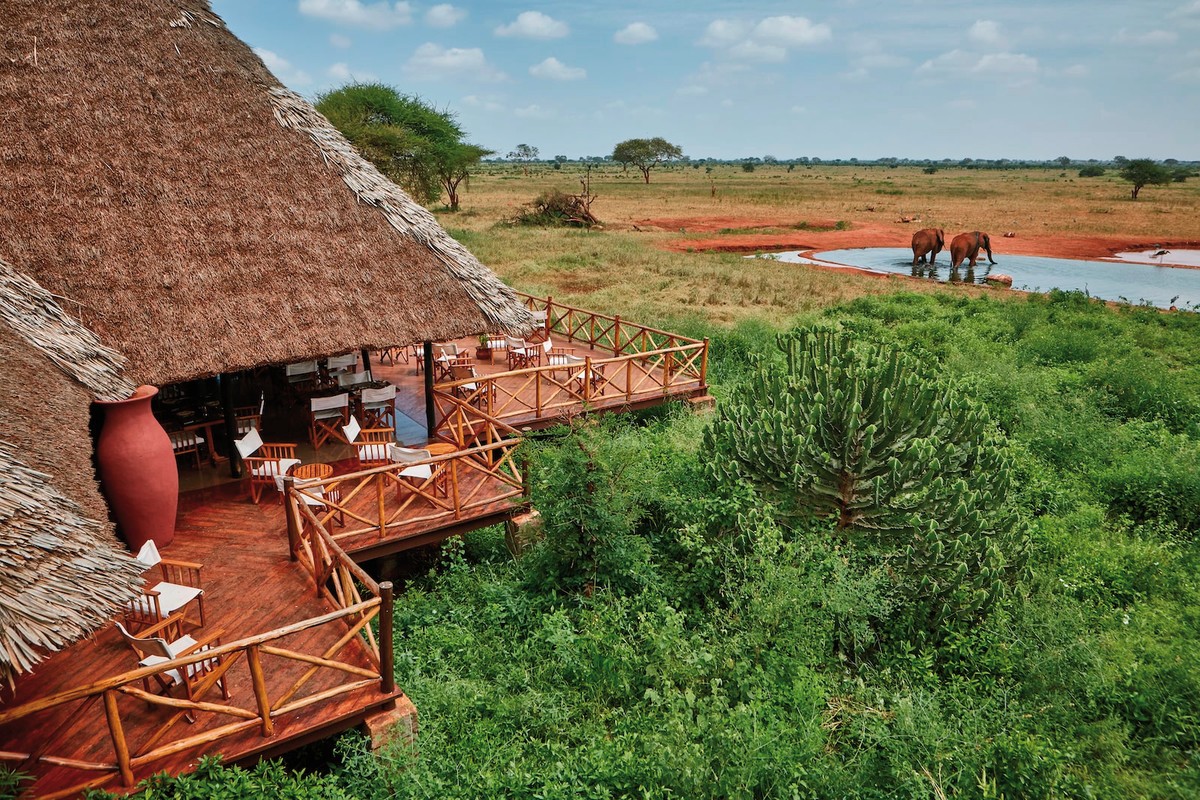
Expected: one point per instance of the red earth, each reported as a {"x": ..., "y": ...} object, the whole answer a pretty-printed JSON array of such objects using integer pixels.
[{"x": 876, "y": 234}]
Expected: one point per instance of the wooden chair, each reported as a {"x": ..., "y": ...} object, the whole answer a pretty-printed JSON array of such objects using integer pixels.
[
  {"x": 541, "y": 331},
  {"x": 520, "y": 354},
  {"x": 442, "y": 354},
  {"x": 418, "y": 475},
  {"x": 263, "y": 461},
  {"x": 371, "y": 446},
  {"x": 326, "y": 417},
  {"x": 349, "y": 380},
  {"x": 164, "y": 642},
  {"x": 249, "y": 417},
  {"x": 187, "y": 443},
  {"x": 303, "y": 374},
  {"x": 379, "y": 407},
  {"x": 336, "y": 366},
  {"x": 470, "y": 391},
  {"x": 179, "y": 587}
]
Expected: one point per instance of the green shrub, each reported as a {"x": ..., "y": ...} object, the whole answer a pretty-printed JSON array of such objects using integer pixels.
[
  {"x": 1091, "y": 171},
  {"x": 903, "y": 463}
]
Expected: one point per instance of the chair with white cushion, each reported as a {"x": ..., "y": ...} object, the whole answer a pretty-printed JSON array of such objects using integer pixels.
[
  {"x": 379, "y": 407},
  {"x": 419, "y": 474},
  {"x": 196, "y": 678},
  {"x": 187, "y": 443},
  {"x": 179, "y": 586},
  {"x": 370, "y": 444},
  {"x": 326, "y": 417},
  {"x": 263, "y": 461}
]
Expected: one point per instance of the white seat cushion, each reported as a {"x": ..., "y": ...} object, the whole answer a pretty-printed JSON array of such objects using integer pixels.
[
  {"x": 174, "y": 596},
  {"x": 373, "y": 452}
]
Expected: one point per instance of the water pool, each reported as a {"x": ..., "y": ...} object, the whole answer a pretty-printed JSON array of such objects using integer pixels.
[{"x": 1123, "y": 281}]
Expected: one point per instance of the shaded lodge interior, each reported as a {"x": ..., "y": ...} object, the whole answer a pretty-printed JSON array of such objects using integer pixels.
[{"x": 173, "y": 216}]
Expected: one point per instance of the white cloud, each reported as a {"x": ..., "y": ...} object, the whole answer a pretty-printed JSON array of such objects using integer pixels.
[
  {"x": 799, "y": 109},
  {"x": 1007, "y": 64},
  {"x": 534, "y": 25},
  {"x": 767, "y": 40},
  {"x": 339, "y": 41},
  {"x": 486, "y": 103},
  {"x": 554, "y": 70},
  {"x": 282, "y": 68},
  {"x": 354, "y": 12},
  {"x": 751, "y": 50},
  {"x": 1076, "y": 71},
  {"x": 533, "y": 111},
  {"x": 865, "y": 64},
  {"x": 792, "y": 31},
  {"x": 691, "y": 90},
  {"x": 444, "y": 15},
  {"x": 1149, "y": 39},
  {"x": 986, "y": 32},
  {"x": 1187, "y": 10},
  {"x": 340, "y": 71},
  {"x": 635, "y": 33},
  {"x": 434, "y": 61},
  {"x": 724, "y": 32},
  {"x": 1016, "y": 68}
]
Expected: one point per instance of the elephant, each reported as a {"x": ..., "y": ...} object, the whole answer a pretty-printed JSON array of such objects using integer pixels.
[
  {"x": 966, "y": 246},
  {"x": 927, "y": 240}
]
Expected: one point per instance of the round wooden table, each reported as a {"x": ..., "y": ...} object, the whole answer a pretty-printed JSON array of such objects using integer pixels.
[{"x": 308, "y": 472}]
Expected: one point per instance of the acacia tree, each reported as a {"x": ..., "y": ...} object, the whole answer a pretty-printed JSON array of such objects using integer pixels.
[
  {"x": 645, "y": 154},
  {"x": 524, "y": 154},
  {"x": 902, "y": 464},
  {"x": 408, "y": 140},
  {"x": 1144, "y": 171}
]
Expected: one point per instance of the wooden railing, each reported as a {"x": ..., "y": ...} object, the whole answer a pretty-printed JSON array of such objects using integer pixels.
[
  {"x": 618, "y": 336},
  {"x": 379, "y": 503},
  {"x": 646, "y": 363},
  {"x": 139, "y": 742}
]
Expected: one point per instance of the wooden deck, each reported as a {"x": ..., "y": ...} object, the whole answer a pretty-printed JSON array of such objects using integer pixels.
[{"x": 252, "y": 588}]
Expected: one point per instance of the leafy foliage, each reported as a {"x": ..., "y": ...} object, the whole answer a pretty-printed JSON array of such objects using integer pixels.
[
  {"x": 1142, "y": 172},
  {"x": 408, "y": 140},
  {"x": 645, "y": 154},
  {"x": 905, "y": 465}
]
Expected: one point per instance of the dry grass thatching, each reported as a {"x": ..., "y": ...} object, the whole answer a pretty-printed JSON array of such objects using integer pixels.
[
  {"x": 62, "y": 576},
  {"x": 197, "y": 216},
  {"x": 61, "y": 572}
]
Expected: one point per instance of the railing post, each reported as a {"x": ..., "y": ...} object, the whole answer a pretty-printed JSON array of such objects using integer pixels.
[
  {"x": 387, "y": 669},
  {"x": 617, "y": 336},
  {"x": 587, "y": 378},
  {"x": 704, "y": 364},
  {"x": 260, "y": 690},
  {"x": 537, "y": 394},
  {"x": 293, "y": 531},
  {"x": 379, "y": 493},
  {"x": 118, "y": 736},
  {"x": 454, "y": 487}
]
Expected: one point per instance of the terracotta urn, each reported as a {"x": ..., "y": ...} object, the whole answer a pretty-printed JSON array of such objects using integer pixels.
[{"x": 137, "y": 470}]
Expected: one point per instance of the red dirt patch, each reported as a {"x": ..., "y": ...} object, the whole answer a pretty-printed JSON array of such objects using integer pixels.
[{"x": 884, "y": 234}]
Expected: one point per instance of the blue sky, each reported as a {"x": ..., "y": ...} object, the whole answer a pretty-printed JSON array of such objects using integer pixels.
[{"x": 836, "y": 79}]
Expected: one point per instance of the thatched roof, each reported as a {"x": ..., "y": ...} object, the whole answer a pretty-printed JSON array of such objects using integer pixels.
[
  {"x": 62, "y": 571},
  {"x": 198, "y": 216}
]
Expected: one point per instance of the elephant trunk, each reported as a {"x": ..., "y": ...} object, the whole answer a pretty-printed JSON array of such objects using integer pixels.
[{"x": 987, "y": 245}]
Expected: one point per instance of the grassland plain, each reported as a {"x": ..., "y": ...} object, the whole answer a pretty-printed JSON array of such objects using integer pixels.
[{"x": 658, "y": 256}]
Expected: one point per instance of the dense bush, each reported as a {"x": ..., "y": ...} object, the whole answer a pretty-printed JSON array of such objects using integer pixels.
[{"x": 674, "y": 635}]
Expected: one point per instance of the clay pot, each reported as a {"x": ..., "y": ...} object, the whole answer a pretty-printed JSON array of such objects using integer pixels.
[{"x": 137, "y": 470}]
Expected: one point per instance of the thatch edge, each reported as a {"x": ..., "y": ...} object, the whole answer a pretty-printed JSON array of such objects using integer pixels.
[
  {"x": 496, "y": 300},
  {"x": 36, "y": 317},
  {"x": 76, "y": 579}
]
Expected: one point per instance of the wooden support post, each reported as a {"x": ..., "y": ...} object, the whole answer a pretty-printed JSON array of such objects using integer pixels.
[
  {"x": 704, "y": 365},
  {"x": 387, "y": 668},
  {"x": 225, "y": 381},
  {"x": 430, "y": 409},
  {"x": 118, "y": 736},
  {"x": 260, "y": 690},
  {"x": 366, "y": 354},
  {"x": 293, "y": 531},
  {"x": 587, "y": 378},
  {"x": 618, "y": 348}
]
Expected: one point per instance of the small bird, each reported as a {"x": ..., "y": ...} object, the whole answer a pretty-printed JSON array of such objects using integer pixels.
[{"x": 1161, "y": 253}]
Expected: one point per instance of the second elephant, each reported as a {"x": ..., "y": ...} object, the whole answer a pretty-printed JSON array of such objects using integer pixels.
[{"x": 966, "y": 246}]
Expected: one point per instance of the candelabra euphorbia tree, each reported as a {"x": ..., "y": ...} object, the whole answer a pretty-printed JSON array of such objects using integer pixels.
[{"x": 902, "y": 463}]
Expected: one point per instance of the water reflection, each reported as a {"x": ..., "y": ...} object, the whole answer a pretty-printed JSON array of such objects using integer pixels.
[{"x": 1108, "y": 280}]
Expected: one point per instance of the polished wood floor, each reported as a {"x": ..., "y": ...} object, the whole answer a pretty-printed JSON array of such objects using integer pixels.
[{"x": 251, "y": 587}]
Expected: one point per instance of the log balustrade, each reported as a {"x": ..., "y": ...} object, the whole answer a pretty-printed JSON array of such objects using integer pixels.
[{"x": 270, "y": 679}]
